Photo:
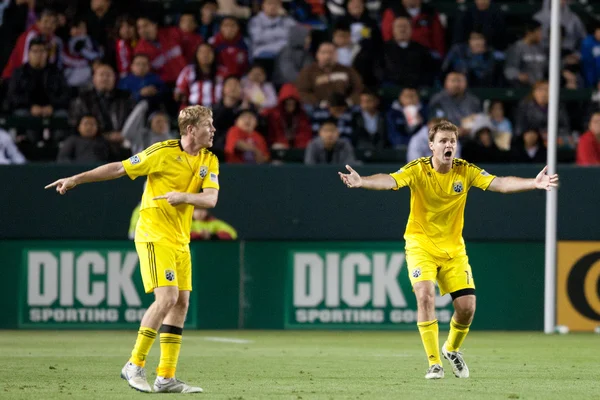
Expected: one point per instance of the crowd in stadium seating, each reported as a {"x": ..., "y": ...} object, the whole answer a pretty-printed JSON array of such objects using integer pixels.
[{"x": 314, "y": 81}]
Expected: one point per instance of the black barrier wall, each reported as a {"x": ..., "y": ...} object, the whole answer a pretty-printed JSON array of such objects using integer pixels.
[{"x": 293, "y": 202}]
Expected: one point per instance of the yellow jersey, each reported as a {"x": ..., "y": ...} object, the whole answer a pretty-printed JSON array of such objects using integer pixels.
[
  {"x": 170, "y": 169},
  {"x": 437, "y": 204}
]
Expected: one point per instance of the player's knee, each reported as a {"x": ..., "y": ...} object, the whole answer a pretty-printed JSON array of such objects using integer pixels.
[
  {"x": 465, "y": 310},
  {"x": 167, "y": 301},
  {"x": 426, "y": 300},
  {"x": 183, "y": 303}
]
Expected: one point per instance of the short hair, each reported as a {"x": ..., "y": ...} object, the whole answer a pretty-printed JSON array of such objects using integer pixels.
[
  {"x": 230, "y": 77},
  {"x": 337, "y": 100},
  {"x": 369, "y": 92},
  {"x": 328, "y": 121},
  {"x": 47, "y": 12},
  {"x": 532, "y": 25},
  {"x": 143, "y": 55},
  {"x": 37, "y": 41},
  {"x": 341, "y": 26},
  {"x": 445, "y": 126},
  {"x": 192, "y": 115}
]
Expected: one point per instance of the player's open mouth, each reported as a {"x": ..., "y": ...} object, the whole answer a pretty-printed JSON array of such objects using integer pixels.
[{"x": 448, "y": 154}]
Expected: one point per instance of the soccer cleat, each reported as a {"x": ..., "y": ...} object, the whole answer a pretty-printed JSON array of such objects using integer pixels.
[
  {"x": 136, "y": 377},
  {"x": 459, "y": 366},
  {"x": 435, "y": 372},
  {"x": 173, "y": 385}
]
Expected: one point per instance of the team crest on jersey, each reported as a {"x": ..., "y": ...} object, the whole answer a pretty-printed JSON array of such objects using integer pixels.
[
  {"x": 170, "y": 275},
  {"x": 134, "y": 160},
  {"x": 416, "y": 273},
  {"x": 458, "y": 187},
  {"x": 203, "y": 171}
]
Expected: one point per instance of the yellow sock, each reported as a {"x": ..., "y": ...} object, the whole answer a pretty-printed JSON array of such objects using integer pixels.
[
  {"x": 457, "y": 335},
  {"x": 145, "y": 339},
  {"x": 429, "y": 335},
  {"x": 170, "y": 344}
]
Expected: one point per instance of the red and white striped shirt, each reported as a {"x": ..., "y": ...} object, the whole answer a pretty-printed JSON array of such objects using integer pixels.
[{"x": 199, "y": 90}]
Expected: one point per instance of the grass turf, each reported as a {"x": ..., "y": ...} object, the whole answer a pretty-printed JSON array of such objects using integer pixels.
[{"x": 47, "y": 365}]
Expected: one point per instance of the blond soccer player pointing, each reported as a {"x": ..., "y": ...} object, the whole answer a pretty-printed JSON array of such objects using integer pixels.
[
  {"x": 435, "y": 249},
  {"x": 182, "y": 174}
]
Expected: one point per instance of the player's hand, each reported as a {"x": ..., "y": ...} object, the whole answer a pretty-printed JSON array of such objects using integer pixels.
[
  {"x": 174, "y": 198},
  {"x": 62, "y": 185},
  {"x": 546, "y": 182},
  {"x": 352, "y": 180}
]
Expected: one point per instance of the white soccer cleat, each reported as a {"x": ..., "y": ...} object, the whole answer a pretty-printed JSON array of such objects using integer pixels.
[
  {"x": 435, "y": 372},
  {"x": 136, "y": 377},
  {"x": 173, "y": 385},
  {"x": 459, "y": 366}
]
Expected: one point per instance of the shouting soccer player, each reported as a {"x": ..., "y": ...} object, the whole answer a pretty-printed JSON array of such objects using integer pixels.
[
  {"x": 177, "y": 171},
  {"x": 435, "y": 249}
]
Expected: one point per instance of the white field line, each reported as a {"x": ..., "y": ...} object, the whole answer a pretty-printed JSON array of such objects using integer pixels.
[{"x": 226, "y": 340}]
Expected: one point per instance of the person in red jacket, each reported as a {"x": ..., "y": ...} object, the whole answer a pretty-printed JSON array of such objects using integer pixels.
[
  {"x": 162, "y": 47},
  {"x": 588, "y": 148},
  {"x": 288, "y": 124},
  {"x": 127, "y": 39},
  {"x": 427, "y": 28},
  {"x": 232, "y": 52},
  {"x": 189, "y": 39},
  {"x": 243, "y": 145},
  {"x": 44, "y": 27}
]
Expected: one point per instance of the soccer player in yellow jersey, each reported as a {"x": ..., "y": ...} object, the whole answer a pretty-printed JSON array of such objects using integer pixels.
[
  {"x": 435, "y": 249},
  {"x": 182, "y": 174}
]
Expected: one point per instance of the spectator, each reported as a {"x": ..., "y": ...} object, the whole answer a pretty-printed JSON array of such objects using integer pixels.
[
  {"x": 198, "y": 83},
  {"x": 590, "y": 58},
  {"x": 110, "y": 107},
  {"x": 368, "y": 131},
  {"x": 328, "y": 147},
  {"x": 162, "y": 47},
  {"x": 243, "y": 143},
  {"x": 209, "y": 25},
  {"x": 418, "y": 146},
  {"x": 188, "y": 37},
  {"x": 532, "y": 112},
  {"x": 484, "y": 16},
  {"x": 87, "y": 147},
  {"x": 480, "y": 147},
  {"x": 335, "y": 109},
  {"x": 427, "y": 28},
  {"x": 36, "y": 88},
  {"x": 454, "y": 103},
  {"x": 346, "y": 50},
  {"x": 405, "y": 117},
  {"x": 44, "y": 28},
  {"x": 80, "y": 52},
  {"x": 404, "y": 61},
  {"x": 141, "y": 83},
  {"x": 294, "y": 56},
  {"x": 101, "y": 19},
  {"x": 230, "y": 48},
  {"x": 475, "y": 60},
  {"x": 502, "y": 125},
  {"x": 207, "y": 227},
  {"x": 325, "y": 76},
  {"x": 288, "y": 125},
  {"x": 269, "y": 30},
  {"x": 225, "y": 112},
  {"x": 362, "y": 26},
  {"x": 125, "y": 45},
  {"x": 142, "y": 132},
  {"x": 527, "y": 61},
  {"x": 574, "y": 30},
  {"x": 257, "y": 90},
  {"x": 13, "y": 21},
  {"x": 529, "y": 147},
  {"x": 588, "y": 148},
  {"x": 9, "y": 152}
]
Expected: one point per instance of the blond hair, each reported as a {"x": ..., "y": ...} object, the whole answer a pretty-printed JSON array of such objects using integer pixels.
[
  {"x": 445, "y": 126},
  {"x": 192, "y": 115}
]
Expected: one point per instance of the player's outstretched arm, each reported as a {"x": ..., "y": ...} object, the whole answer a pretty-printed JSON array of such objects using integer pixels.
[
  {"x": 373, "y": 182},
  {"x": 207, "y": 199},
  {"x": 512, "y": 184},
  {"x": 103, "y": 173}
]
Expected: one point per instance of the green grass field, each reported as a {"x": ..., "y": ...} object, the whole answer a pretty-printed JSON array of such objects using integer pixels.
[{"x": 44, "y": 365}]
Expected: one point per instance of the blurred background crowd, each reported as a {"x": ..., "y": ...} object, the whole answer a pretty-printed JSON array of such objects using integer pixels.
[{"x": 313, "y": 81}]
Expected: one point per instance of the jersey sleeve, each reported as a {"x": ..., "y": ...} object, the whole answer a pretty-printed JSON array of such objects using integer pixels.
[
  {"x": 145, "y": 162},
  {"x": 212, "y": 178},
  {"x": 478, "y": 177},
  {"x": 404, "y": 176}
]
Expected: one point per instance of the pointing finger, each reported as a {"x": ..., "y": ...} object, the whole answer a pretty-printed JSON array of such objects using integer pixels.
[
  {"x": 349, "y": 168},
  {"x": 51, "y": 185}
]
